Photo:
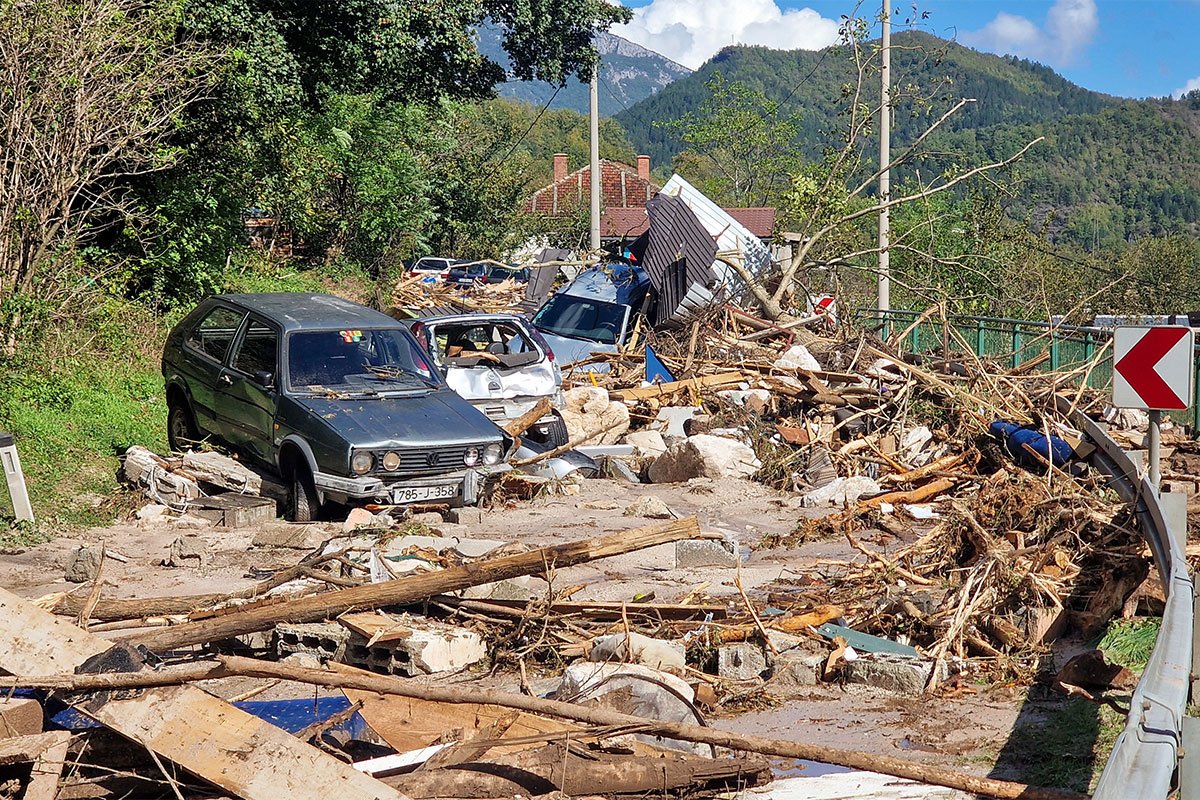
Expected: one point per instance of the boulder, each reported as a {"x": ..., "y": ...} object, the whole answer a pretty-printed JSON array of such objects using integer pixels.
[
  {"x": 797, "y": 357},
  {"x": 587, "y": 409},
  {"x": 841, "y": 492},
  {"x": 84, "y": 564},
  {"x": 650, "y": 507},
  {"x": 704, "y": 456},
  {"x": 646, "y": 444}
]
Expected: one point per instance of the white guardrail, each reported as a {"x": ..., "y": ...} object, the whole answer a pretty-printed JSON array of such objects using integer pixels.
[{"x": 1147, "y": 753}]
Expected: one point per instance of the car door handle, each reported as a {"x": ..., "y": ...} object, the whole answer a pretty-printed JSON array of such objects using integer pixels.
[{"x": 225, "y": 379}]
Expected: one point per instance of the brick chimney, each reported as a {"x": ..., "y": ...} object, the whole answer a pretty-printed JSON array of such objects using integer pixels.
[
  {"x": 560, "y": 166},
  {"x": 644, "y": 167}
]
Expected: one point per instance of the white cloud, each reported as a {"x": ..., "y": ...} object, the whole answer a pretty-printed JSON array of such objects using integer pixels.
[
  {"x": 1070, "y": 27},
  {"x": 692, "y": 31},
  {"x": 1190, "y": 86}
]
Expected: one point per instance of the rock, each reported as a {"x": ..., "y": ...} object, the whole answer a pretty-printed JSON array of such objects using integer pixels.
[
  {"x": 841, "y": 492},
  {"x": 797, "y": 669},
  {"x": 900, "y": 674},
  {"x": 84, "y": 564},
  {"x": 755, "y": 400},
  {"x": 151, "y": 512},
  {"x": 191, "y": 522},
  {"x": 617, "y": 470},
  {"x": 358, "y": 518},
  {"x": 468, "y": 515},
  {"x": 797, "y": 357},
  {"x": 644, "y": 650},
  {"x": 184, "y": 549},
  {"x": 914, "y": 442},
  {"x": 741, "y": 662},
  {"x": 428, "y": 518},
  {"x": 700, "y": 553},
  {"x": 650, "y": 507},
  {"x": 704, "y": 456},
  {"x": 295, "y": 537},
  {"x": 303, "y": 660},
  {"x": 673, "y": 419},
  {"x": 521, "y": 588},
  {"x": 1091, "y": 671},
  {"x": 144, "y": 469},
  {"x": 587, "y": 409},
  {"x": 637, "y": 690},
  {"x": 647, "y": 444}
]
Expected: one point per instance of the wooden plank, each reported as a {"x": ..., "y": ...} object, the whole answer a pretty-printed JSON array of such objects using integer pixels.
[
  {"x": 375, "y": 628},
  {"x": 244, "y": 755},
  {"x": 47, "y": 752},
  {"x": 599, "y": 609},
  {"x": 667, "y": 389}
]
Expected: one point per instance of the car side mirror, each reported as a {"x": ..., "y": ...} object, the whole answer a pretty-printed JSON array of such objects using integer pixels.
[{"x": 264, "y": 378}]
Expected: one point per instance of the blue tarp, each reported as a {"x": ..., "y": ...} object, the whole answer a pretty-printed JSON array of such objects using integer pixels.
[{"x": 1016, "y": 437}]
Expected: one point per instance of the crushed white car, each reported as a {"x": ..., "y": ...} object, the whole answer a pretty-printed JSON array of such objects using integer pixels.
[{"x": 501, "y": 365}]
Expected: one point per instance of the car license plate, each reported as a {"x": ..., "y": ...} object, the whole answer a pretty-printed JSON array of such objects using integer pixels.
[{"x": 415, "y": 494}]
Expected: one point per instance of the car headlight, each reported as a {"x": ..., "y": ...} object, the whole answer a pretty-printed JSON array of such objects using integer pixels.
[
  {"x": 471, "y": 456},
  {"x": 492, "y": 453},
  {"x": 391, "y": 461},
  {"x": 361, "y": 462}
]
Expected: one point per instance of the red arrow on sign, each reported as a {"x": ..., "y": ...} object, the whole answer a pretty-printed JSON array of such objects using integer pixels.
[{"x": 1138, "y": 367}]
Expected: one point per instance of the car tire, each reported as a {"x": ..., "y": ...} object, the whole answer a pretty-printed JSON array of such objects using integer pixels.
[
  {"x": 181, "y": 428},
  {"x": 303, "y": 503}
]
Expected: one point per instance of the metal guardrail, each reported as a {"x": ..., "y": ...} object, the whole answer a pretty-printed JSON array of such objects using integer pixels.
[{"x": 1146, "y": 755}]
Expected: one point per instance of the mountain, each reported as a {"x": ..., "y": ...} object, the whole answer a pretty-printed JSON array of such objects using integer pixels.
[
  {"x": 1109, "y": 168},
  {"x": 629, "y": 73}
]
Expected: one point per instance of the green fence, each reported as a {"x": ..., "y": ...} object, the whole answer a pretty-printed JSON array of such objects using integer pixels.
[{"x": 1084, "y": 353}]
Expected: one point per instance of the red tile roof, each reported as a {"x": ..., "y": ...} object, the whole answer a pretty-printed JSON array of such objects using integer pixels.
[
  {"x": 620, "y": 187},
  {"x": 629, "y": 223},
  {"x": 759, "y": 221}
]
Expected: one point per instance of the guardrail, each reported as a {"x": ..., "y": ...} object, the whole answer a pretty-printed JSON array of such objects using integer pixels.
[{"x": 1146, "y": 755}]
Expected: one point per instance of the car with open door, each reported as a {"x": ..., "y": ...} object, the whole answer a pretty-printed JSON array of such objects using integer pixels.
[{"x": 337, "y": 399}]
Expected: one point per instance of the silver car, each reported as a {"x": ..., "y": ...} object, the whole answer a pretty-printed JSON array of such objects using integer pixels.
[{"x": 501, "y": 365}]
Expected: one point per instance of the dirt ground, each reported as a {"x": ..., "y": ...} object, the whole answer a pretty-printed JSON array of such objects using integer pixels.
[{"x": 966, "y": 732}]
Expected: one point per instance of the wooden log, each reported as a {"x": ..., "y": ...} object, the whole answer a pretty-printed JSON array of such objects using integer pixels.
[
  {"x": 415, "y": 587},
  {"x": 667, "y": 389},
  {"x": 943, "y": 464},
  {"x": 236, "y": 666},
  {"x": 515, "y": 427},
  {"x": 242, "y": 754}
]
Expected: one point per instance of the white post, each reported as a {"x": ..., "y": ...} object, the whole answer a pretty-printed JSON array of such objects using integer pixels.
[
  {"x": 885, "y": 157},
  {"x": 22, "y": 509},
  {"x": 594, "y": 120},
  {"x": 1155, "y": 447}
]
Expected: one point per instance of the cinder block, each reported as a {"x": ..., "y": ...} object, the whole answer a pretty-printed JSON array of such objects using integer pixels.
[
  {"x": 428, "y": 650},
  {"x": 326, "y": 640},
  {"x": 20, "y": 717}
]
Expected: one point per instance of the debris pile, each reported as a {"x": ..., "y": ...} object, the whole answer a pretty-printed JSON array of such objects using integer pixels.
[{"x": 416, "y": 295}]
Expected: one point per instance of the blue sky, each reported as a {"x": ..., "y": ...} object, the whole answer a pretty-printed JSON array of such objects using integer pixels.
[{"x": 1130, "y": 48}]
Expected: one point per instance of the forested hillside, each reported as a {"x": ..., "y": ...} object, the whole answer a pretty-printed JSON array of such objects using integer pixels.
[{"x": 1109, "y": 169}]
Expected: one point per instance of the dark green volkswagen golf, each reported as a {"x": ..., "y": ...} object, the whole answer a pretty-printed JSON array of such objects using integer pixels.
[{"x": 337, "y": 399}]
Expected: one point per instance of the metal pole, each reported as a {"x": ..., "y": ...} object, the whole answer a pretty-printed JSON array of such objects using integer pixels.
[
  {"x": 885, "y": 158},
  {"x": 594, "y": 120},
  {"x": 1155, "y": 447}
]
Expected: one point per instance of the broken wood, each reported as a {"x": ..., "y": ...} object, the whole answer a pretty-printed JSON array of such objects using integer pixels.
[
  {"x": 46, "y": 753},
  {"x": 237, "y": 666},
  {"x": 515, "y": 427},
  {"x": 415, "y": 587},
  {"x": 582, "y": 438},
  {"x": 667, "y": 389},
  {"x": 246, "y": 756}
]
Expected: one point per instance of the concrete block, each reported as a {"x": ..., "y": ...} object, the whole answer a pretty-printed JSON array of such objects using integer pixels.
[
  {"x": 234, "y": 510},
  {"x": 324, "y": 640},
  {"x": 740, "y": 662},
  {"x": 427, "y": 518},
  {"x": 468, "y": 515},
  {"x": 20, "y": 717},
  {"x": 797, "y": 669},
  {"x": 428, "y": 650},
  {"x": 295, "y": 537},
  {"x": 641, "y": 649},
  {"x": 700, "y": 553},
  {"x": 899, "y": 674}
]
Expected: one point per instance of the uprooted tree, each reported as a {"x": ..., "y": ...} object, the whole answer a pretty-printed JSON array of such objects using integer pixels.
[{"x": 829, "y": 202}]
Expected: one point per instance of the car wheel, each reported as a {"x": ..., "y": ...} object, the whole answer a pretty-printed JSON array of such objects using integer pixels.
[
  {"x": 303, "y": 503},
  {"x": 181, "y": 429}
]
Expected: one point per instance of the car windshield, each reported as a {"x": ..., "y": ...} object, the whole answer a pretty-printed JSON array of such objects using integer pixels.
[
  {"x": 581, "y": 318},
  {"x": 367, "y": 361}
]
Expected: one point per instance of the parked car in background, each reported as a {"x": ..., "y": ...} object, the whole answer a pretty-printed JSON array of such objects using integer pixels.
[
  {"x": 337, "y": 399},
  {"x": 499, "y": 274},
  {"x": 594, "y": 313},
  {"x": 433, "y": 267},
  {"x": 466, "y": 274},
  {"x": 501, "y": 365}
]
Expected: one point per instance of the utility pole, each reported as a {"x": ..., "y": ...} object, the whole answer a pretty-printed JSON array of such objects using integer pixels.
[
  {"x": 594, "y": 120},
  {"x": 885, "y": 157}
]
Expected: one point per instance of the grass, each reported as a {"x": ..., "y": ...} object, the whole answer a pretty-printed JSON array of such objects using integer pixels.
[
  {"x": 1066, "y": 748},
  {"x": 1130, "y": 642}
]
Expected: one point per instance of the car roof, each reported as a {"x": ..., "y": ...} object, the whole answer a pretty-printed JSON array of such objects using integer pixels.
[
  {"x": 477, "y": 318},
  {"x": 295, "y": 311}
]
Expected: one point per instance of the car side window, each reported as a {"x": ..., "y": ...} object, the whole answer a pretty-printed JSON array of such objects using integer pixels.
[
  {"x": 213, "y": 335},
  {"x": 258, "y": 351}
]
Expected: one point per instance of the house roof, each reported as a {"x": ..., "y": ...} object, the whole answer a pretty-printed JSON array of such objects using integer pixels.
[
  {"x": 617, "y": 223},
  {"x": 620, "y": 187}
]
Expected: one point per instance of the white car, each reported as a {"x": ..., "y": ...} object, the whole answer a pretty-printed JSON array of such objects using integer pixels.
[
  {"x": 501, "y": 365},
  {"x": 433, "y": 267}
]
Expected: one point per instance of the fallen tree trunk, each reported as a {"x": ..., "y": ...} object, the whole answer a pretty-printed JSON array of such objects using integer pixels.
[
  {"x": 515, "y": 427},
  {"x": 414, "y": 587},
  {"x": 236, "y": 666}
]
